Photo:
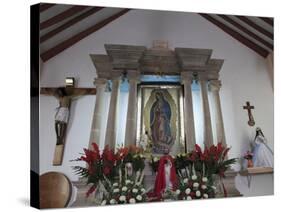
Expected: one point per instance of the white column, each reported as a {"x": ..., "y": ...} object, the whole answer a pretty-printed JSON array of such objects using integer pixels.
[
  {"x": 214, "y": 87},
  {"x": 208, "y": 134},
  {"x": 186, "y": 80},
  {"x": 131, "y": 125},
  {"x": 100, "y": 84},
  {"x": 110, "y": 136}
]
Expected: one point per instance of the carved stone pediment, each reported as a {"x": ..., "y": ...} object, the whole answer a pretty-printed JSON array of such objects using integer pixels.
[
  {"x": 190, "y": 57},
  {"x": 163, "y": 61},
  {"x": 159, "y": 61},
  {"x": 102, "y": 64},
  {"x": 124, "y": 56}
]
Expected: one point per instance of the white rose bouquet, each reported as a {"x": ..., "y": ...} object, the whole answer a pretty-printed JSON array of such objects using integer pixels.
[
  {"x": 125, "y": 192},
  {"x": 195, "y": 188}
]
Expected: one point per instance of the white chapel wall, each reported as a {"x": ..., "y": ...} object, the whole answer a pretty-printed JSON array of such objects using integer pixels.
[{"x": 244, "y": 78}]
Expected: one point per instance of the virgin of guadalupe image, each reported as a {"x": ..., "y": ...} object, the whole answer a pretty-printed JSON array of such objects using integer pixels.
[{"x": 160, "y": 117}]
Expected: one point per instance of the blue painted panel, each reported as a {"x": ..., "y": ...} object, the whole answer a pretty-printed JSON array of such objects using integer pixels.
[{"x": 124, "y": 86}]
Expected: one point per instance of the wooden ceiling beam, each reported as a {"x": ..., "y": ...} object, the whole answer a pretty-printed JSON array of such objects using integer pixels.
[
  {"x": 76, "y": 38},
  {"x": 62, "y": 16},
  {"x": 69, "y": 23},
  {"x": 256, "y": 26},
  {"x": 245, "y": 30},
  {"x": 267, "y": 20},
  {"x": 258, "y": 49},
  {"x": 45, "y": 6}
]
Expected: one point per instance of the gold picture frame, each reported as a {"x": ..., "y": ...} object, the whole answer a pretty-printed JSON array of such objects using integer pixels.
[{"x": 173, "y": 95}]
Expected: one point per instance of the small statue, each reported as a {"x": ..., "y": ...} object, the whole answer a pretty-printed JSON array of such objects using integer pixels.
[
  {"x": 145, "y": 142},
  {"x": 263, "y": 155},
  {"x": 166, "y": 178},
  {"x": 129, "y": 169}
]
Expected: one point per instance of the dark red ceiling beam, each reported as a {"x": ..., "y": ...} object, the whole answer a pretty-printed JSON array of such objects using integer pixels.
[
  {"x": 267, "y": 20},
  {"x": 45, "y": 6},
  {"x": 76, "y": 38},
  {"x": 245, "y": 30},
  {"x": 258, "y": 49},
  {"x": 69, "y": 23},
  {"x": 256, "y": 26},
  {"x": 62, "y": 16}
]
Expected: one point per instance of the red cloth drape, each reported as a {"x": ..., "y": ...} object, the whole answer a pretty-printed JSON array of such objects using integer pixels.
[{"x": 160, "y": 182}]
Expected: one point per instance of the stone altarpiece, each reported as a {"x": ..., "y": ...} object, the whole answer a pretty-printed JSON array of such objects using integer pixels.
[{"x": 132, "y": 62}]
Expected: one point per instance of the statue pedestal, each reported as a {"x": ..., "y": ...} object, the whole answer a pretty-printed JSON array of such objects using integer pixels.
[
  {"x": 81, "y": 200},
  {"x": 229, "y": 183},
  {"x": 149, "y": 176}
]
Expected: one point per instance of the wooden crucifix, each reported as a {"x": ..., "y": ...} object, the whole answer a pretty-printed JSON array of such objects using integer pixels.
[
  {"x": 249, "y": 107},
  {"x": 65, "y": 95}
]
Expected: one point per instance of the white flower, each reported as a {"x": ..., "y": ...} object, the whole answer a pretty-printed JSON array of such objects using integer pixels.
[
  {"x": 204, "y": 179},
  {"x": 198, "y": 193},
  {"x": 188, "y": 198},
  {"x": 178, "y": 191},
  {"x": 124, "y": 188},
  {"x": 132, "y": 200},
  {"x": 194, "y": 177},
  {"x": 122, "y": 198},
  {"x": 139, "y": 197},
  {"x": 187, "y": 191},
  {"x": 135, "y": 190},
  {"x": 115, "y": 184},
  {"x": 195, "y": 185},
  {"x": 205, "y": 196},
  {"x": 214, "y": 187},
  {"x": 203, "y": 187},
  {"x": 112, "y": 201},
  {"x": 128, "y": 182},
  {"x": 116, "y": 190},
  {"x": 103, "y": 202},
  {"x": 143, "y": 190},
  {"x": 155, "y": 159},
  {"x": 185, "y": 180}
]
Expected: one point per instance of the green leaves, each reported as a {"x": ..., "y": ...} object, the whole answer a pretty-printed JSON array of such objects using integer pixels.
[{"x": 81, "y": 171}]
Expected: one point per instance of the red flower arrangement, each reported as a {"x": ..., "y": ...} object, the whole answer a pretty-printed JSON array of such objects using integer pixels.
[
  {"x": 248, "y": 155},
  {"x": 210, "y": 163},
  {"x": 213, "y": 158},
  {"x": 99, "y": 167},
  {"x": 108, "y": 166}
]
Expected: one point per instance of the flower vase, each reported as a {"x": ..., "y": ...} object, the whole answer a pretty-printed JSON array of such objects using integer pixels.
[
  {"x": 217, "y": 183},
  {"x": 250, "y": 163}
]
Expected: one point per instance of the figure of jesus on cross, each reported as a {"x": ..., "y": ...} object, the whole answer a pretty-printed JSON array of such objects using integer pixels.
[
  {"x": 249, "y": 107},
  {"x": 65, "y": 95}
]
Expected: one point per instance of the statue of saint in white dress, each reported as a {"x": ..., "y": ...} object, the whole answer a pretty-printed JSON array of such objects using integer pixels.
[
  {"x": 263, "y": 155},
  {"x": 144, "y": 141}
]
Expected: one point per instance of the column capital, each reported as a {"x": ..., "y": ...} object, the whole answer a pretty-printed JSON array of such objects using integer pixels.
[
  {"x": 214, "y": 85},
  {"x": 116, "y": 74},
  {"x": 203, "y": 76},
  {"x": 186, "y": 77},
  {"x": 133, "y": 76},
  {"x": 99, "y": 81}
]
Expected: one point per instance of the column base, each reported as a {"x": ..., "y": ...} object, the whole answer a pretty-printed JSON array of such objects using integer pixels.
[{"x": 229, "y": 184}]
